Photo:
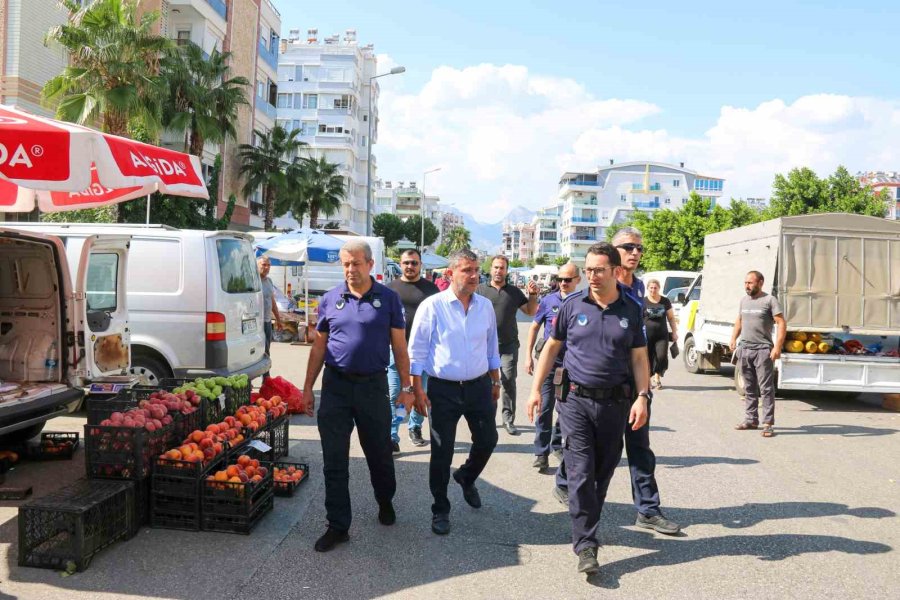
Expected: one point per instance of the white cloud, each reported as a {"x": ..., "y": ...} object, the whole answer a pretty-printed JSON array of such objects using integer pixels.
[{"x": 503, "y": 136}]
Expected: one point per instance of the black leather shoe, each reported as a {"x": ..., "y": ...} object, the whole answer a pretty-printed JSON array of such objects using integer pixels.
[
  {"x": 440, "y": 524},
  {"x": 587, "y": 561},
  {"x": 386, "y": 514},
  {"x": 470, "y": 494},
  {"x": 510, "y": 428},
  {"x": 415, "y": 436},
  {"x": 330, "y": 539},
  {"x": 395, "y": 448},
  {"x": 540, "y": 462}
]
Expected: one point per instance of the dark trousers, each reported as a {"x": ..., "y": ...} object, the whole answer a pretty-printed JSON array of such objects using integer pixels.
[
  {"x": 659, "y": 355},
  {"x": 547, "y": 436},
  {"x": 449, "y": 402},
  {"x": 592, "y": 448},
  {"x": 641, "y": 467},
  {"x": 758, "y": 371},
  {"x": 509, "y": 366},
  {"x": 267, "y": 330},
  {"x": 344, "y": 404}
]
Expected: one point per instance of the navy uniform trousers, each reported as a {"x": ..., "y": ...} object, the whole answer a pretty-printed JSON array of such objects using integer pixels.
[
  {"x": 547, "y": 435},
  {"x": 592, "y": 447},
  {"x": 451, "y": 401},
  {"x": 347, "y": 402},
  {"x": 641, "y": 465}
]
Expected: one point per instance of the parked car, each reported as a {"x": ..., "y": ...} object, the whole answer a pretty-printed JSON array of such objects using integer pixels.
[
  {"x": 63, "y": 324},
  {"x": 194, "y": 299},
  {"x": 669, "y": 280}
]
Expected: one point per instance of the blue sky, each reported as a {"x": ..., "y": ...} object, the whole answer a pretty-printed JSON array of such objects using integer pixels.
[{"x": 688, "y": 60}]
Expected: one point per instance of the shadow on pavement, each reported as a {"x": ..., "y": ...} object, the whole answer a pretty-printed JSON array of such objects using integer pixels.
[{"x": 835, "y": 429}]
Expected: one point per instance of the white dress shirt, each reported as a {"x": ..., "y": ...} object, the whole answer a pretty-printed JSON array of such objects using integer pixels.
[{"x": 449, "y": 343}]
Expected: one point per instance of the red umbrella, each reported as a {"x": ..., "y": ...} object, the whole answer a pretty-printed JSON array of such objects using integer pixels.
[{"x": 62, "y": 166}]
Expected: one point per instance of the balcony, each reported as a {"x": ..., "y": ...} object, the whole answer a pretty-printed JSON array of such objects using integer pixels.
[
  {"x": 270, "y": 57},
  {"x": 219, "y": 7},
  {"x": 645, "y": 204},
  {"x": 592, "y": 201},
  {"x": 585, "y": 219},
  {"x": 266, "y": 108}
]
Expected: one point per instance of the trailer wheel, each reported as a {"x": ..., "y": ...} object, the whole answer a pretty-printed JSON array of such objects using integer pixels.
[{"x": 691, "y": 356}]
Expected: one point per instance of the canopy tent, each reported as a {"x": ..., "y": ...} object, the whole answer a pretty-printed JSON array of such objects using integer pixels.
[
  {"x": 59, "y": 166},
  {"x": 300, "y": 247},
  {"x": 434, "y": 261}
]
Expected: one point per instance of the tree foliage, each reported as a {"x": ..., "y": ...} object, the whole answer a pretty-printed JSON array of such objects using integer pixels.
[
  {"x": 802, "y": 192},
  {"x": 457, "y": 238},
  {"x": 412, "y": 229},
  {"x": 314, "y": 187},
  {"x": 388, "y": 226},
  {"x": 266, "y": 164},
  {"x": 560, "y": 260}
]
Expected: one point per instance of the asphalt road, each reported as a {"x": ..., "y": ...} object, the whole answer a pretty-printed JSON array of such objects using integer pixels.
[{"x": 810, "y": 513}]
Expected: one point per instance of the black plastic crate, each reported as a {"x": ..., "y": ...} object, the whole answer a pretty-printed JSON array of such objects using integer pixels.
[
  {"x": 232, "y": 498},
  {"x": 215, "y": 409},
  {"x": 275, "y": 434},
  {"x": 287, "y": 488},
  {"x": 236, "y": 523},
  {"x": 67, "y": 528},
  {"x": 139, "y": 515},
  {"x": 184, "y": 468},
  {"x": 54, "y": 445},
  {"x": 172, "y": 512},
  {"x": 123, "y": 452},
  {"x": 100, "y": 409}
]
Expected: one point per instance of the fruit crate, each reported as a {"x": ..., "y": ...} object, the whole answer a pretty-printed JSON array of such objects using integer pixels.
[
  {"x": 67, "y": 528},
  {"x": 174, "y": 512},
  {"x": 139, "y": 515},
  {"x": 99, "y": 409},
  {"x": 275, "y": 434},
  {"x": 215, "y": 409},
  {"x": 287, "y": 488},
  {"x": 227, "y": 498},
  {"x": 238, "y": 523},
  {"x": 115, "y": 452},
  {"x": 54, "y": 445}
]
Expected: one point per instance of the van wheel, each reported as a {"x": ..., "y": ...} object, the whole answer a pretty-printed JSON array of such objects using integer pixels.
[
  {"x": 149, "y": 370},
  {"x": 691, "y": 356}
]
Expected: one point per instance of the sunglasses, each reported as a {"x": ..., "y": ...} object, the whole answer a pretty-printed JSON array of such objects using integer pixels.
[
  {"x": 565, "y": 279},
  {"x": 631, "y": 247},
  {"x": 411, "y": 263}
]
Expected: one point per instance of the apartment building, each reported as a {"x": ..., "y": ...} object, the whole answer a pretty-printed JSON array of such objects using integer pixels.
[
  {"x": 406, "y": 199},
  {"x": 591, "y": 202},
  {"x": 518, "y": 241},
  {"x": 884, "y": 180},
  {"x": 546, "y": 232},
  {"x": 324, "y": 91}
]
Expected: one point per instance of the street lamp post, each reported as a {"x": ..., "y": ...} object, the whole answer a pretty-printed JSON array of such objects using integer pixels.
[
  {"x": 424, "y": 175},
  {"x": 394, "y": 71}
]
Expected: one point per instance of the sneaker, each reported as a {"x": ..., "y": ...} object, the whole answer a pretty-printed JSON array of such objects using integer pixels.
[
  {"x": 540, "y": 462},
  {"x": 415, "y": 436},
  {"x": 470, "y": 492},
  {"x": 587, "y": 561},
  {"x": 395, "y": 447},
  {"x": 658, "y": 523},
  {"x": 330, "y": 539},
  {"x": 386, "y": 514},
  {"x": 561, "y": 494}
]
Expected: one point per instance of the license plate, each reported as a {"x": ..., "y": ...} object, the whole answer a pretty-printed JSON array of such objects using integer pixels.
[{"x": 248, "y": 326}]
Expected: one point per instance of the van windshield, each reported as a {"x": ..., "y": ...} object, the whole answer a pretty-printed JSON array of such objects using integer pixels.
[
  {"x": 237, "y": 266},
  {"x": 677, "y": 282}
]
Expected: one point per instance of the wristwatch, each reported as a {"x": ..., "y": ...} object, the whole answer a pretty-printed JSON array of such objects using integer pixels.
[
  {"x": 496, "y": 382},
  {"x": 407, "y": 389},
  {"x": 644, "y": 394}
]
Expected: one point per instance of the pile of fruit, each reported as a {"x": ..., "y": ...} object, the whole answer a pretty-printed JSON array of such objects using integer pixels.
[
  {"x": 274, "y": 406},
  {"x": 204, "y": 446},
  {"x": 252, "y": 417},
  {"x": 291, "y": 474},
  {"x": 155, "y": 412},
  {"x": 811, "y": 343},
  {"x": 50, "y": 445},
  {"x": 245, "y": 470},
  {"x": 211, "y": 387}
]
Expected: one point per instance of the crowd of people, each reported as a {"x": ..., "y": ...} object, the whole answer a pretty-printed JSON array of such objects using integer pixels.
[{"x": 412, "y": 348}]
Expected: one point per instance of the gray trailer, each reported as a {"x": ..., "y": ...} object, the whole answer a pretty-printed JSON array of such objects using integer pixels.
[{"x": 835, "y": 274}]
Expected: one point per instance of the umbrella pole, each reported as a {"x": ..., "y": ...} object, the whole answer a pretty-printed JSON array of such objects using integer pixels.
[{"x": 148, "y": 209}]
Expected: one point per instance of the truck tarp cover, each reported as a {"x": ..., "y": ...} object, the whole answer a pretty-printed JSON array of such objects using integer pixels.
[{"x": 833, "y": 271}]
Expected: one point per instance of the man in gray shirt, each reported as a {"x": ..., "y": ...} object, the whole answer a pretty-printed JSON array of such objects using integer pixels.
[
  {"x": 270, "y": 307},
  {"x": 757, "y": 355}
]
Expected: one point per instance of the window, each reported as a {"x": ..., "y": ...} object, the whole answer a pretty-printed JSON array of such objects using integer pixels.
[
  {"x": 332, "y": 74},
  {"x": 656, "y": 199},
  {"x": 344, "y": 101},
  {"x": 309, "y": 73},
  {"x": 286, "y": 72},
  {"x": 605, "y": 215},
  {"x": 309, "y": 128},
  {"x": 624, "y": 197},
  {"x": 237, "y": 266},
  {"x": 668, "y": 201},
  {"x": 366, "y": 118},
  {"x": 325, "y": 128},
  {"x": 362, "y": 141},
  {"x": 284, "y": 101},
  {"x": 260, "y": 89},
  {"x": 102, "y": 275},
  {"x": 676, "y": 182},
  {"x": 183, "y": 37},
  {"x": 310, "y": 101},
  {"x": 684, "y": 200}
]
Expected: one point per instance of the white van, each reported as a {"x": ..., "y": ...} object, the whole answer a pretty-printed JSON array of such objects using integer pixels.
[
  {"x": 322, "y": 279},
  {"x": 63, "y": 324},
  {"x": 669, "y": 280},
  {"x": 194, "y": 299}
]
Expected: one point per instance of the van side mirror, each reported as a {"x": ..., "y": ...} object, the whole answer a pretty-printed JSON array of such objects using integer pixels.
[{"x": 680, "y": 298}]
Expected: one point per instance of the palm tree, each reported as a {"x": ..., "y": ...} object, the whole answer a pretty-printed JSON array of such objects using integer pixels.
[
  {"x": 321, "y": 188},
  {"x": 203, "y": 101},
  {"x": 265, "y": 166},
  {"x": 458, "y": 238},
  {"x": 113, "y": 76}
]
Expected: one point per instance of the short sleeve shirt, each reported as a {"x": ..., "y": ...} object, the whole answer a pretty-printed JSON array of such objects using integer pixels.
[
  {"x": 599, "y": 341},
  {"x": 546, "y": 314},
  {"x": 758, "y": 319},
  {"x": 359, "y": 329},
  {"x": 636, "y": 291},
  {"x": 268, "y": 290},
  {"x": 412, "y": 293},
  {"x": 506, "y": 301}
]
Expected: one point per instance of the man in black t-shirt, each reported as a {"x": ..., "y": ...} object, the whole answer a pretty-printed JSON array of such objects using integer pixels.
[
  {"x": 507, "y": 300},
  {"x": 412, "y": 289}
]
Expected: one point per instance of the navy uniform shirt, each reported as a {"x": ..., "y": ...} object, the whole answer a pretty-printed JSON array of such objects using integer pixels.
[
  {"x": 599, "y": 341},
  {"x": 546, "y": 314},
  {"x": 359, "y": 329},
  {"x": 636, "y": 291}
]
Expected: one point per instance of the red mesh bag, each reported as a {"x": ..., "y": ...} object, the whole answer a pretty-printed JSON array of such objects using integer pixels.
[{"x": 290, "y": 393}]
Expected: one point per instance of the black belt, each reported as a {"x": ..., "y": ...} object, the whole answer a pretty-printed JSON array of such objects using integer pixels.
[
  {"x": 455, "y": 382},
  {"x": 620, "y": 393},
  {"x": 356, "y": 377}
]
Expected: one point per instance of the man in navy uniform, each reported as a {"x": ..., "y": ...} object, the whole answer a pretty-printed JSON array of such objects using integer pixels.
[
  {"x": 360, "y": 322},
  {"x": 547, "y": 437},
  {"x": 603, "y": 333},
  {"x": 454, "y": 342},
  {"x": 641, "y": 459}
]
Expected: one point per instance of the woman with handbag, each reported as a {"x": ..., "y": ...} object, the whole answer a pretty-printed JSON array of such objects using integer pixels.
[{"x": 659, "y": 321}]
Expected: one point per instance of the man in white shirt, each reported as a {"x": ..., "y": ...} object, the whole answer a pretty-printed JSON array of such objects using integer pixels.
[{"x": 454, "y": 341}]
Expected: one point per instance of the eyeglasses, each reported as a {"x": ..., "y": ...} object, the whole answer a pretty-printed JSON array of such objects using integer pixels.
[
  {"x": 591, "y": 271},
  {"x": 411, "y": 263},
  {"x": 631, "y": 247},
  {"x": 566, "y": 279}
]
